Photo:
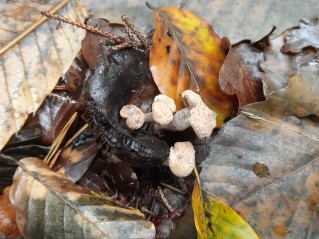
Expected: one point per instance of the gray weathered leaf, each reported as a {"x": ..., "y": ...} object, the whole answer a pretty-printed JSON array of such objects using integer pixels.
[
  {"x": 34, "y": 54},
  {"x": 237, "y": 19},
  {"x": 265, "y": 162},
  {"x": 49, "y": 205},
  {"x": 278, "y": 66},
  {"x": 306, "y": 34}
]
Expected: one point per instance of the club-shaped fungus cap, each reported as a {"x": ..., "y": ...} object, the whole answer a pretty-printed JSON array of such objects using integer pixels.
[
  {"x": 167, "y": 100},
  {"x": 181, "y": 159},
  {"x": 202, "y": 119},
  {"x": 133, "y": 115},
  {"x": 163, "y": 109}
]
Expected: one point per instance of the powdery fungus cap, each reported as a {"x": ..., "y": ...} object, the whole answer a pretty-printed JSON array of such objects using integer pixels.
[
  {"x": 166, "y": 100},
  {"x": 202, "y": 119},
  {"x": 181, "y": 159},
  {"x": 161, "y": 113},
  {"x": 133, "y": 115}
]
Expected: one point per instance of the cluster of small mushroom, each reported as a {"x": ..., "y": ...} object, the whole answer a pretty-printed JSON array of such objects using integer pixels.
[{"x": 195, "y": 114}]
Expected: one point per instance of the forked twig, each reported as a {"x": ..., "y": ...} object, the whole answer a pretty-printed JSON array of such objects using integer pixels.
[{"x": 120, "y": 41}]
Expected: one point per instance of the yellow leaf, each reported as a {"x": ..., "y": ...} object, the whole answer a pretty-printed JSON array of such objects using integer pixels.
[
  {"x": 34, "y": 54},
  {"x": 214, "y": 219},
  {"x": 188, "y": 54}
]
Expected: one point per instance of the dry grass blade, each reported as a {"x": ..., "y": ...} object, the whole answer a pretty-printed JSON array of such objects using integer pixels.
[{"x": 56, "y": 144}]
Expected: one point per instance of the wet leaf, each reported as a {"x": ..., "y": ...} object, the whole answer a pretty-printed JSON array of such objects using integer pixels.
[
  {"x": 240, "y": 74},
  {"x": 282, "y": 135},
  {"x": 49, "y": 204},
  {"x": 8, "y": 166},
  {"x": 31, "y": 67},
  {"x": 53, "y": 115},
  {"x": 214, "y": 219},
  {"x": 75, "y": 161},
  {"x": 121, "y": 175},
  {"x": 8, "y": 225},
  {"x": 305, "y": 35},
  {"x": 188, "y": 54}
]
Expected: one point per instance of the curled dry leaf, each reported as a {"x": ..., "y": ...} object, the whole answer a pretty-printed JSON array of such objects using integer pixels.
[
  {"x": 49, "y": 205},
  {"x": 305, "y": 35},
  {"x": 281, "y": 138},
  {"x": 278, "y": 67},
  {"x": 240, "y": 74},
  {"x": 188, "y": 54},
  {"x": 8, "y": 226},
  {"x": 31, "y": 67}
]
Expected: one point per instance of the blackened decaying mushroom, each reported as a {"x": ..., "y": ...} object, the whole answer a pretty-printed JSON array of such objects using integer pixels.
[
  {"x": 143, "y": 150},
  {"x": 120, "y": 78}
]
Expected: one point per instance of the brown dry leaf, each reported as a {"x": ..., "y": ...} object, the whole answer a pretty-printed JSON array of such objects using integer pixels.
[
  {"x": 34, "y": 54},
  {"x": 240, "y": 74},
  {"x": 8, "y": 226},
  {"x": 48, "y": 204},
  {"x": 265, "y": 162},
  {"x": 188, "y": 54},
  {"x": 305, "y": 35},
  {"x": 279, "y": 67},
  {"x": 53, "y": 115},
  {"x": 74, "y": 162}
]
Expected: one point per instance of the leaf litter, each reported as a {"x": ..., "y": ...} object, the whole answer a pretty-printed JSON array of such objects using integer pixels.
[
  {"x": 285, "y": 120},
  {"x": 281, "y": 134}
]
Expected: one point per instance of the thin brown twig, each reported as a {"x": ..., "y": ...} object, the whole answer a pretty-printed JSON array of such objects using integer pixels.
[
  {"x": 164, "y": 200},
  {"x": 134, "y": 30},
  {"x": 113, "y": 37}
]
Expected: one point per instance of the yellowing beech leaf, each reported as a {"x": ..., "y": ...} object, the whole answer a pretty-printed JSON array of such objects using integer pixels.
[
  {"x": 214, "y": 219},
  {"x": 187, "y": 54},
  {"x": 34, "y": 54},
  {"x": 49, "y": 205}
]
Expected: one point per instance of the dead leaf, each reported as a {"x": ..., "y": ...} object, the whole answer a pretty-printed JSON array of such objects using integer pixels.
[
  {"x": 236, "y": 19},
  {"x": 49, "y": 204},
  {"x": 187, "y": 54},
  {"x": 240, "y": 74},
  {"x": 33, "y": 56},
  {"x": 252, "y": 19},
  {"x": 8, "y": 226},
  {"x": 8, "y": 166},
  {"x": 278, "y": 67},
  {"x": 214, "y": 219},
  {"x": 271, "y": 133},
  {"x": 53, "y": 115},
  {"x": 305, "y": 35},
  {"x": 75, "y": 161}
]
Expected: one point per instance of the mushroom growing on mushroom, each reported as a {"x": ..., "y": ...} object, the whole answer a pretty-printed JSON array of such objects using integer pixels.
[
  {"x": 195, "y": 114},
  {"x": 163, "y": 108},
  {"x": 181, "y": 159}
]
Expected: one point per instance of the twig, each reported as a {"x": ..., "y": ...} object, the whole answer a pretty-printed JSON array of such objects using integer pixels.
[
  {"x": 134, "y": 30},
  {"x": 121, "y": 41},
  {"x": 164, "y": 200},
  {"x": 57, "y": 142},
  {"x": 113, "y": 37}
]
